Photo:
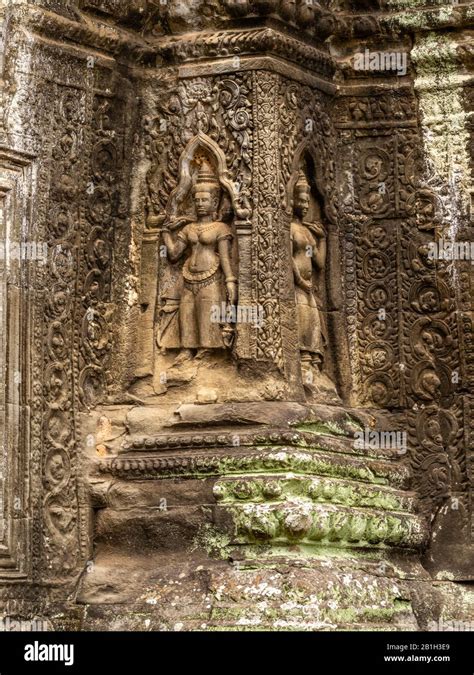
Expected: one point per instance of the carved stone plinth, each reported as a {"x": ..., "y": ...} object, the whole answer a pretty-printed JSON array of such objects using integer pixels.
[
  {"x": 274, "y": 486},
  {"x": 285, "y": 486}
]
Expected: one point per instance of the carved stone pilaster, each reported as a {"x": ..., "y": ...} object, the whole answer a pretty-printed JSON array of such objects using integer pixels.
[{"x": 272, "y": 280}]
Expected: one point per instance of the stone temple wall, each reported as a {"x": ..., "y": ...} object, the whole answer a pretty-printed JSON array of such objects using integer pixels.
[{"x": 141, "y": 469}]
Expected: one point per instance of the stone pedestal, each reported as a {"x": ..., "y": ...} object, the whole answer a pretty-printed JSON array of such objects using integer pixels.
[{"x": 268, "y": 514}]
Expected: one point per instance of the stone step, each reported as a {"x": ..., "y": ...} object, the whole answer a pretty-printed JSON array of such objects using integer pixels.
[
  {"x": 259, "y": 438},
  {"x": 173, "y": 529},
  {"x": 167, "y": 593},
  {"x": 246, "y": 488},
  {"x": 271, "y": 459},
  {"x": 325, "y": 524},
  {"x": 280, "y": 523},
  {"x": 277, "y": 487}
]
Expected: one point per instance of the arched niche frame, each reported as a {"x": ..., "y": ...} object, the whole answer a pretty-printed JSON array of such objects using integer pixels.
[
  {"x": 307, "y": 150},
  {"x": 150, "y": 261},
  {"x": 202, "y": 142},
  {"x": 307, "y": 156}
]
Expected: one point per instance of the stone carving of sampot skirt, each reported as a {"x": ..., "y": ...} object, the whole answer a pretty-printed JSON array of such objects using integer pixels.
[
  {"x": 204, "y": 287},
  {"x": 309, "y": 324},
  {"x": 310, "y": 329}
]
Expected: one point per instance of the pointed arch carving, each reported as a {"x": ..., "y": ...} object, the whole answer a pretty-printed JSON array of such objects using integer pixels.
[
  {"x": 307, "y": 147},
  {"x": 204, "y": 142}
]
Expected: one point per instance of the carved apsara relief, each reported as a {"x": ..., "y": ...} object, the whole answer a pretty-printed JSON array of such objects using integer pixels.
[
  {"x": 308, "y": 251},
  {"x": 206, "y": 282},
  {"x": 235, "y": 123}
]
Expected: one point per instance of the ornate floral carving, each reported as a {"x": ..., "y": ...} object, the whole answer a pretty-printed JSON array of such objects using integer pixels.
[
  {"x": 60, "y": 500},
  {"x": 217, "y": 107},
  {"x": 267, "y": 236}
]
